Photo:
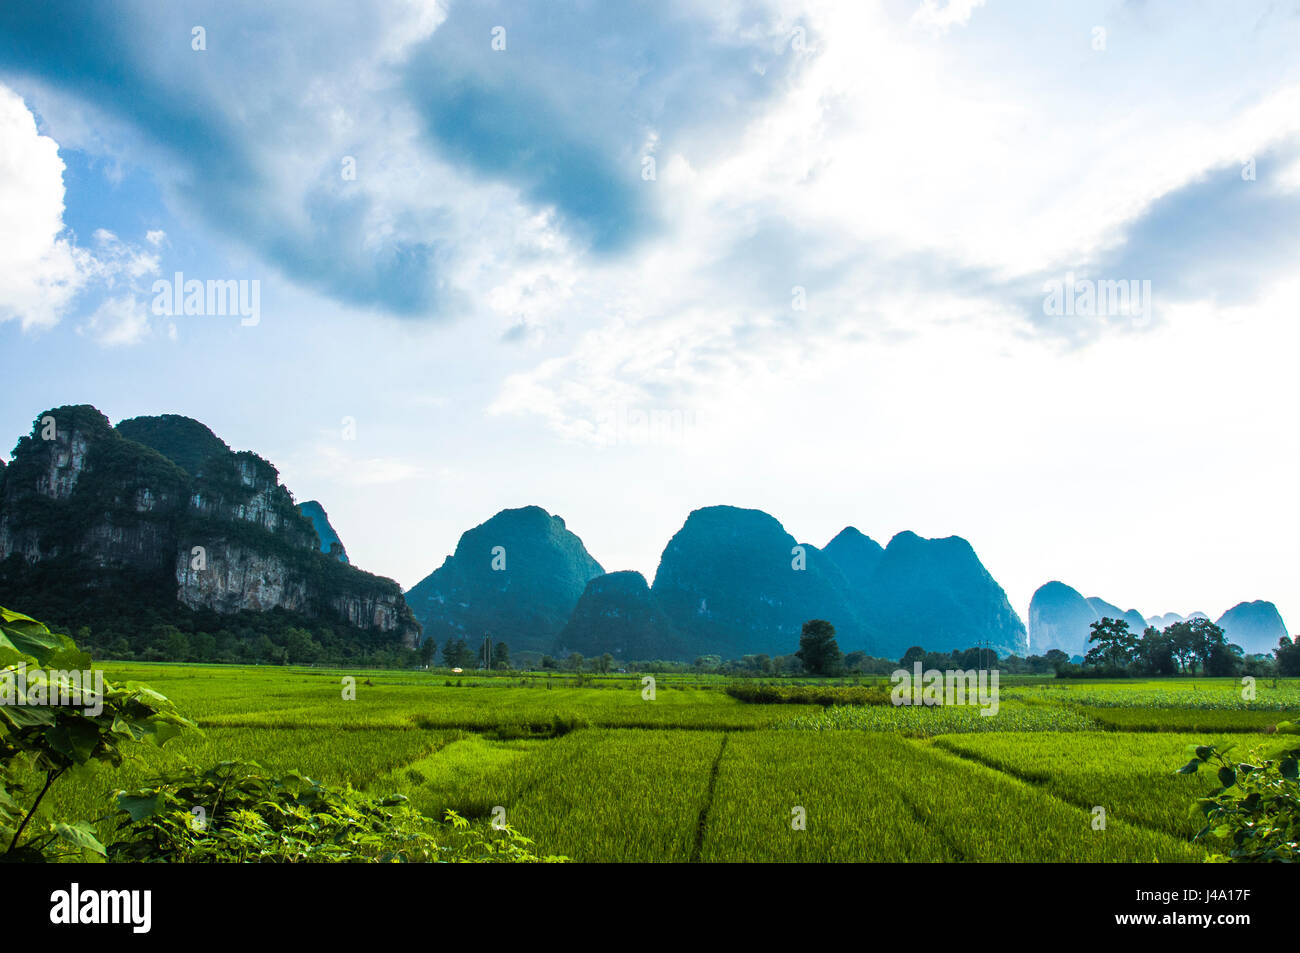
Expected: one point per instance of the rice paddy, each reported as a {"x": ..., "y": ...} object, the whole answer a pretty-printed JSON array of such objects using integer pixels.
[{"x": 595, "y": 770}]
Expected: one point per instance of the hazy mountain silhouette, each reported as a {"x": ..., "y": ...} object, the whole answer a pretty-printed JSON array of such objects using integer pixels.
[
  {"x": 516, "y": 577},
  {"x": 734, "y": 582},
  {"x": 619, "y": 614},
  {"x": 1255, "y": 626}
]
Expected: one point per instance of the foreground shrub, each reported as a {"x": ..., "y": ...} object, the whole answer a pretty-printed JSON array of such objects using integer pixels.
[
  {"x": 1255, "y": 816},
  {"x": 55, "y": 719},
  {"x": 234, "y": 813}
]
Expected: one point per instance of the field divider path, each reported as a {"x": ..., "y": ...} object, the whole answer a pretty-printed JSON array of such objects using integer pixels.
[
  {"x": 702, "y": 824},
  {"x": 928, "y": 822},
  {"x": 1038, "y": 782}
]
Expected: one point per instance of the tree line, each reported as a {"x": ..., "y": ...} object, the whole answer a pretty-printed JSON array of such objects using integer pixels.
[{"x": 1196, "y": 646}]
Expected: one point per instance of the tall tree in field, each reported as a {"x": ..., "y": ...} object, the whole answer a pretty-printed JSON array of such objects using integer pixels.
[
  {"x": 1211, "y": 647},
  {"x": 1115, "y": 645},
  {"x": 1288, "y": 656},
  {"x": 500, "y": 656},
  {"x": 428, "y": 649},
  {"x": 1155, "y": 652},
  {"x": 1195, "y": 642},
  {"x": 1182, "y": 641},
  {"x": 818, "y": 650},
  {"x": 455, "y": 653}
]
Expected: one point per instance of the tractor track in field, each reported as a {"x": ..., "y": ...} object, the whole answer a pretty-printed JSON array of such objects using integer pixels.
[
  {"x": 927, "y": 822},
  {"x": 701, "y": 825}
]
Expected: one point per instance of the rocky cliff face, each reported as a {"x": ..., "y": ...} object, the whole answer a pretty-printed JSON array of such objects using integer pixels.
[
  {"x": 618, "y": 614},
  {"x": 516, "y": 577},
  {"x": 88, "y": 509},
  {"x": 734, "y": 583}
]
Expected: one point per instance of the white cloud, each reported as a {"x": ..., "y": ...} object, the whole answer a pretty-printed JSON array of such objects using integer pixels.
[
  {"x": 953, "y": 13},
  {"x": 41, "y": 270},
  {"x": 115, "y": 259},
  {"x": 44, "y": 270},
  {"x": 118, "y": 321},
  {"x": 330, "y": 462},
  {"x": 905, "y": 186}
]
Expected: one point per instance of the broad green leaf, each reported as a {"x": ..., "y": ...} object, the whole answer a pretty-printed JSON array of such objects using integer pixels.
[
  {"x": 140, "y": 806},
  {"x": 26, "y": 716},
  {"x": 79, "y": 835}
]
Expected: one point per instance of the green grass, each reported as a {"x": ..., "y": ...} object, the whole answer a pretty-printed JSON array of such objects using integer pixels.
[
  {"x": 874, "y": 796},
  {"x": 353, "y": 757},
  {"x": 612, "y": 795},
  {"x": 1190, "y": 693},
  {"x": 461, "y": 776},
  {"x": 273, "y": 697},
  {"x": 1172, "y": 719},
  {"x": 591, "y": 770},
  {"x": 854, "y": 809},
  {"x": 1131, "y": 776},
  {"x": 923, "y": 721}
]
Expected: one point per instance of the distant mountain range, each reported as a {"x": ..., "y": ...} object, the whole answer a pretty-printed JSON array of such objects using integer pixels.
[
  {"x": 1169, "y": 618},
  {"x": 731, "y": 582},
  {"x": 1061, "y": 618},
  {"x": 157, "y": 517}
]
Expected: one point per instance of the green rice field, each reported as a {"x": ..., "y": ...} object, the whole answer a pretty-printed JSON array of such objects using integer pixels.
[{"x": 593, "y": 771}]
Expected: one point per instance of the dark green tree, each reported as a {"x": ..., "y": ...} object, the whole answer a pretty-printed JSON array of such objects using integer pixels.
[
  {"x": 301, "y": 647},
  {"x": 455, "y": 653},
  {"x": 1211, "y": 647},
  {"x": 500, "y": 656},
  {"x": 428, "y": 649},
  {"x": 1288, "y": 656},
  {"x": 912, "y": 656},
  {"x": 1155, "y": 652},
  {"x": 1225, "y": 658},
  {"x": 1115, "y": 645},
  {"x": 1056, "y": 659},
  {"x": 1183, "y": 644},
  {"x": 818, "y": 650}
]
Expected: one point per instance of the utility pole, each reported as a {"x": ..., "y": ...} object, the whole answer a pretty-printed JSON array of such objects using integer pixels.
[{"x": 487, "y": 651}]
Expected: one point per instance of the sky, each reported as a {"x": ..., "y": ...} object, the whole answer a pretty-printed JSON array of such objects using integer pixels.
[{"x": 1019, "y": 272}]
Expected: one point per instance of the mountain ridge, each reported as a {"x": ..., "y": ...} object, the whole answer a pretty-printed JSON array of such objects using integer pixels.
[{"x": 89, "y": 514}]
